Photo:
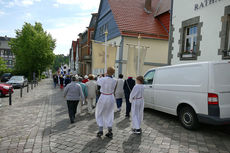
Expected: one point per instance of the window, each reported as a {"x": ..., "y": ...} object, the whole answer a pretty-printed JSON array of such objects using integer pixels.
[
  {"x": 228, "y": 30},
  {"x": 149, "y": 77},
  {"x": 103, "y": 29},
  {"x": 190, "y": 39},
  {"x": 227, "y": 50},
  {"x": 225, "y": 35},
  {"x": 10, "y": 62}
]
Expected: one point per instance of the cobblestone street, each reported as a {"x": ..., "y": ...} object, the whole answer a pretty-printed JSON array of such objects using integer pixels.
[{"x": 39, "y": 122}]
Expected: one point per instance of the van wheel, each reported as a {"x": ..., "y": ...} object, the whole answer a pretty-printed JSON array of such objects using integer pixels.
[
  {"x": 1, "y": 94},
  {"x": 188, "y": 118}
]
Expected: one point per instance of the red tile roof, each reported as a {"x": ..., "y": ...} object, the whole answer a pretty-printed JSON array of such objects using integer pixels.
[{"x": 133, "y": 20}]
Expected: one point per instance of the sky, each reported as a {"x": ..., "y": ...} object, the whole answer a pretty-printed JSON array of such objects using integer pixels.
[{"x": 63, "y": 19}]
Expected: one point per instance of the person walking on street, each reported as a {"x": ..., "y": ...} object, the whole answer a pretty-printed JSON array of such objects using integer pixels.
[
  {"x": 67, "y": 80},
  {"x": 73, "y": 94},
  {"x": 55, "y": 80},
  {"x": 85, "y": 92},
  {"x": 128, "y": 86},
  {"x": 61, "y": 82},
  {"x": 92, "y": 89},
  {"x": 105, "y": 105},
  {"x": 119, "y": 93},
  {"x": 137, "y": 100}
]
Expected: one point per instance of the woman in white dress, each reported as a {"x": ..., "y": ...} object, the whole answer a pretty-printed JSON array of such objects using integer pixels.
[
  {"x": 105, "y": 105},
  {"x": 137, "y": 100}
]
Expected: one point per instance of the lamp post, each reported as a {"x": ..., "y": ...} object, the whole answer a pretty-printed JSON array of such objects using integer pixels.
[
  {"x": 106, "y": 35},
  {"x": 138, "y": 58}
]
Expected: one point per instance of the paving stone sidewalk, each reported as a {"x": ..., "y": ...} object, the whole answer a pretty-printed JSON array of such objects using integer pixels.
[{"x": 39, "y": 123}]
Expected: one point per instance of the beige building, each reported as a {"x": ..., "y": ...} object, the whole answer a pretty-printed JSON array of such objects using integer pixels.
[{"x": 141, "y": 30}]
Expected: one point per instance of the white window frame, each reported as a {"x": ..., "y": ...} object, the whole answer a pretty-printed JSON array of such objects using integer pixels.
[{"x": 192, "y": 37}]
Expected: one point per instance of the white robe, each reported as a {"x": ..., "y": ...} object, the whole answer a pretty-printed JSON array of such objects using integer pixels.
[
  {"x": 137, "y": 100},
  {"x": 105, "y": 105}
]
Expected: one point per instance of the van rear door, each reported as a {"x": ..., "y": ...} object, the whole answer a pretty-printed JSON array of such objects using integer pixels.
[{"x": 220, "y": 83}]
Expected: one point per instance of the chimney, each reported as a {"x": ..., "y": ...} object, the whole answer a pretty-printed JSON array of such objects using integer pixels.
[{"x": 148, "y": 6}]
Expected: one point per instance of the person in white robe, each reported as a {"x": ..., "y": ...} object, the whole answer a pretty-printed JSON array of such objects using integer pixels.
[
  {"x": 137, "y": 100},
  {"x": 105, "y": 106},
  {"x": 92, "y": 90}
]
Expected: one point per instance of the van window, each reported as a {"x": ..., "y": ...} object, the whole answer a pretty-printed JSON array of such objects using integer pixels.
[{"x": 149, "y": 77}]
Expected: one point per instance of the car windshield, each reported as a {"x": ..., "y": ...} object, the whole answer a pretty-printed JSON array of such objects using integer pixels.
[{"x": 16, "y": 78}]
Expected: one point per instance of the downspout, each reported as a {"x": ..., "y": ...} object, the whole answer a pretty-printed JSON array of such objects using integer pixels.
[{"x": 170, "y": 35}]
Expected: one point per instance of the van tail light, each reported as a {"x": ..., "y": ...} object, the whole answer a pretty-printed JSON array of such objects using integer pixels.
[{"x": 213, "y": 99}]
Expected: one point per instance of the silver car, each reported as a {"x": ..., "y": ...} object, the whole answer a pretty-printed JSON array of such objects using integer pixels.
[{"x": 18, "y": 81}]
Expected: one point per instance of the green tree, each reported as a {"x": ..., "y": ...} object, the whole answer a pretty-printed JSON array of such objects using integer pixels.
[
  {"x": 3, "y": 67},
  {"x": 60, "y": 60},
  {"x": 33, "y": 48}
]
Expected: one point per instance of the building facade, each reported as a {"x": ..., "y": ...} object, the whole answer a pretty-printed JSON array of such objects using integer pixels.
[
  {"x": 144, "y": 21},
  {"x": 73, "y": 58},
  {"x": 6, "y": 53},
  {"x": 85, "y": 47},
  {"x": 200, "y": 31}
]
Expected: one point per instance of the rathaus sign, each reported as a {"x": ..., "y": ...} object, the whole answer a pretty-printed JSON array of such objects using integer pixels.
[{"x": 205, "y": 3}]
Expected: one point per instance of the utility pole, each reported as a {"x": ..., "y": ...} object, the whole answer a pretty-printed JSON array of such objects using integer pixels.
[
  {"x": 106, "y": 35},
  {"x": 139, "y": 50}
]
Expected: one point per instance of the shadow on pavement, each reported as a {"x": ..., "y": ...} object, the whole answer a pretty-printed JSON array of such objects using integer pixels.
[
  {"x": 132, "y": 144},
  {"x": 96, "y": 145},
  {"x": 123, "y": 124},
  {"x": 61, "y": 126},
  {"x": 92, "y": 127}
]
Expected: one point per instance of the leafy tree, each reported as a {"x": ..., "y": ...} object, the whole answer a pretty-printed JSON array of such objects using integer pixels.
[
  {"x": 33, "y": 49},
  {"x": 3, "y": 67},
  {"x": 60, "y": 60}
]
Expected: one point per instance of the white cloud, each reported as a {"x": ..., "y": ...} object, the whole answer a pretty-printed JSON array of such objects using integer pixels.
[
  {"x": 66, "y": 33},
  {"x": 28, "y": 16},
  {"x": 20, "y": 3},
  {"x": 56, "y": 5},
  {"x": 2, "y": 13},
  {"x": 27, "y": 2},
  {"x": 84, "y": 4}
]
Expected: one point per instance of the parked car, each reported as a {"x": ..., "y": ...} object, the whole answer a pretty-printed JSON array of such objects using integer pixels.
[
  {"x": 18, "y": 81},
  {"x": 5, "y": 89},
  {"x": 6, "y": 77},
  {"x": 198, "y": 92}
]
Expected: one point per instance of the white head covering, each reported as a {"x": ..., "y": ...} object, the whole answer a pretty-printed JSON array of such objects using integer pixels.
[{"x": 85, "y": 77}]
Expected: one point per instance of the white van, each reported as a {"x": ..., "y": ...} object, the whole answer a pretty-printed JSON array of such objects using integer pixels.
[{"x": 197, "y": 92}]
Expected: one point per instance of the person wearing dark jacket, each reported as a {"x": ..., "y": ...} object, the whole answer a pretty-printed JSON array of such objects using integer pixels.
[
  {"x": 55, "y": 80},
  {"x": 128, "y": 87},
  {"x": 67, "y": 80}
]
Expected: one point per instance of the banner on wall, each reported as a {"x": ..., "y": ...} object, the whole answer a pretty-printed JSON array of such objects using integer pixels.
[
  {"x": 98, "y": 55},
  {"x": 132, "y": 60}
]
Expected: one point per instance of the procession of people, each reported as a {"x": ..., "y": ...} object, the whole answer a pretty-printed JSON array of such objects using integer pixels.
[{"x": 102, "y": 93}]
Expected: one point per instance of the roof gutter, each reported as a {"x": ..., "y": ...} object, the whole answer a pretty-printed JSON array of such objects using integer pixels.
[{"x": 143, "y": 34}]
